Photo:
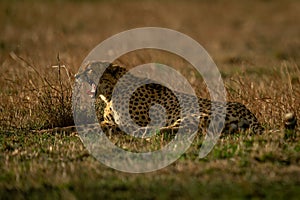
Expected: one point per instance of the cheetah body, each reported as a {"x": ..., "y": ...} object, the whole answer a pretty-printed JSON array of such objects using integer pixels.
[{"x": 145, "y": 104}]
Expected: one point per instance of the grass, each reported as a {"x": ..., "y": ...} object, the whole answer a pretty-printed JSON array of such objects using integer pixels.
[
  {"x": 57, "y": 165},
  {"x": 255, "y": 45}
]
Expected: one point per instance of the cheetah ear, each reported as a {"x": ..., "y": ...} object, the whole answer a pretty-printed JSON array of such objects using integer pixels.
[{"x": 103, "y": 98}]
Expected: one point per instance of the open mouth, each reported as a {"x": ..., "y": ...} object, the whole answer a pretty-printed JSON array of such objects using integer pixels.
[
  {"x": 92, "y": 91},
  {"x": 89, "y": 85}
]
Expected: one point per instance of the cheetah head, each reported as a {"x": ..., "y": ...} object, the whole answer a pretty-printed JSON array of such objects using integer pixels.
[{"x": 108, "y": 73}]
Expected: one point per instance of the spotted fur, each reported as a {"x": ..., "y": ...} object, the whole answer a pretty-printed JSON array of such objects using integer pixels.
[{"x": 154, "y": 96}]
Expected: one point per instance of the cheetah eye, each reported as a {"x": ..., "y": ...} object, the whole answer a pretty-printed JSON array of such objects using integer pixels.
[{"x": 90, "y": 82}]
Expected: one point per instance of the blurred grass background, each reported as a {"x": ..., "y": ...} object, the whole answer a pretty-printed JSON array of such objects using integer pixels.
[{"x": 255, "y": 45}]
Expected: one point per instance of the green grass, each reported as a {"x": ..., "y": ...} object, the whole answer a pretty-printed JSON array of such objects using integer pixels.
[
  {"x": 255, "y": 45},
  {"x": 53, "y": 165}
]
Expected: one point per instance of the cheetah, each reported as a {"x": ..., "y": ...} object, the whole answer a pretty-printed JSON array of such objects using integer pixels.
[{"x": 155, "y": 97}]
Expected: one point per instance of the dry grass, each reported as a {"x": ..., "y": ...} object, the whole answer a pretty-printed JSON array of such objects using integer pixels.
[
  {"x": 255, "y": 45},
  {"x": 46, "y": 96}
]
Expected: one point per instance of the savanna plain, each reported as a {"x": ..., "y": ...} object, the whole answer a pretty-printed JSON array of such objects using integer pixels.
[{"x": 255, "y": 44}]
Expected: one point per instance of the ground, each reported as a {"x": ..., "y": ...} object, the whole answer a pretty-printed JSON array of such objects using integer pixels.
[{"x": 255, "y": 45}]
